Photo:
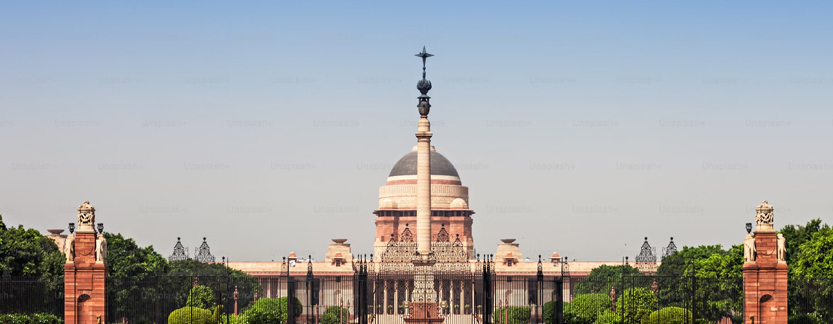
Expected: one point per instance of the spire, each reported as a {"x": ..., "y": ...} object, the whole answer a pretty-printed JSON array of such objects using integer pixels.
[{"x": 424, "y": 86}]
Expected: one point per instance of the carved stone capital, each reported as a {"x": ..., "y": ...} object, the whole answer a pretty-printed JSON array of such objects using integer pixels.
[
  {"x": 86, "y": 218},
  {"x": 764, "y": 217}
]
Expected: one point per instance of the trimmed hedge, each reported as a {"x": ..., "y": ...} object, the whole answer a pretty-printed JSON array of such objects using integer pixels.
[
  {"x": 271, "y": 310},
  {"x": 38, "y": 318},
  {"x": 191, "y": 315},
  {"x": 670, "y": 315}
]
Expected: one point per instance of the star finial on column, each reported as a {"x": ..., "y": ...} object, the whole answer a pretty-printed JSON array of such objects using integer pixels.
[{"x": 424, "y": 55}]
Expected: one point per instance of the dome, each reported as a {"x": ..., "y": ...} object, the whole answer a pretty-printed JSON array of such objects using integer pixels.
[
  {"x": 407, "y": 165},
  {"x": 387, "y": 203},
  {"x": 459, "y": 203}
]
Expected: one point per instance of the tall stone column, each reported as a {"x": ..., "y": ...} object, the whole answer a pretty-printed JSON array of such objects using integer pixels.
[
  {"x": 424, "y": 299},
  {"x": 765, "y": 272},
  {"x": 85, "y": 272},
  {"x": 424, "y": 182}
]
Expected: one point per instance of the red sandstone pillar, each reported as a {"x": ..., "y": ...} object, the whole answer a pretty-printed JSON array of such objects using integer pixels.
[
  {"x": 765, "y": 273},
  {"x": 85, "y": 293}
]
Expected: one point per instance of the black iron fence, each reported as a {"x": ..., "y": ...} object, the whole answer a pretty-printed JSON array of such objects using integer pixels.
[
  {"x": 810, "y": 300},
  {"x": 462, "y": 297},
  {"x": 26, "y": 295}
]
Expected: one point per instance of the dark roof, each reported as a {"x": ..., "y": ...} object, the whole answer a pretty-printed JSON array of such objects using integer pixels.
[{"x": 407, "y": 165}]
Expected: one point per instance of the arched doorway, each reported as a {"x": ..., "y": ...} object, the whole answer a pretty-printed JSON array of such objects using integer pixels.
[{"x": 84, "y": 310}]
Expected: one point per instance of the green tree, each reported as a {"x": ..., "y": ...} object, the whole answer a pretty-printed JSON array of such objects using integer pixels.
[
  {"x": 126, "y": 260},
  {"x": 815, "y": 257},
  {"x": 719, "y": 285},
  {"x": 681, "y": 263},
  {"x": 132, "y": 278},
  {"x": 200, "y": 297},
  {"x": 709, "y": 272},
  {"x": 27, "y": 253},
  {"x": 635, "y": 303},
  {"x": 811, "y": 283},
  {"x": 796, "y": 235},
  {"x": 602, "y": 278}
]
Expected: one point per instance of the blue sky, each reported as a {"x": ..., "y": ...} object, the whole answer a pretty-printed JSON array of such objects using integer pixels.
[{"x": 579, "y": 127}]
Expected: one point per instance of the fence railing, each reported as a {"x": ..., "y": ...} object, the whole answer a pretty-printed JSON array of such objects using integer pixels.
[
  {"x": 384, "y": 298},
  {"x": 27, "y": 295}
]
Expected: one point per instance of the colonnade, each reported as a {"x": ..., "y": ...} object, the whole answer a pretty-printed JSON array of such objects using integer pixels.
[{"x": 392, "y": 292}]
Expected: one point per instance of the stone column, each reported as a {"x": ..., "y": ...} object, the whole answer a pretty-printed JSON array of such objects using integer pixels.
[
  {"x": 451, "y": 297},
  {"x": 425, "y": 307},
  {"x": 85, "y": 272},
  {"x": 473, "y": 304},
  {"x": 424, "y": 186},
  {"x": 385, "y": 298},
  {"x": 395, "y": 298},
  {"x": 408, "y": 298},
  {"x": 765, "y": 272}
]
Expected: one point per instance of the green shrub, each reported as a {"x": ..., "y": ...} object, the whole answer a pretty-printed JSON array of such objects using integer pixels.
[
  {"x": 810, "y": 318},
  {"x": 200, "y": 297},
  {"x": 608, "y": 317},
  {"x": 549, "y": 312},
  {"x": 570, "y": 316},
  {"x": 636, "y": 304},
  {"x": 191, "y": 315},
  {"x": 331, "y": 315},
  {"x": 271, "y": 310},
  {"x": 38, "y": 318},
  {"x": 588, "y": 307},
  {"x": 265, "y": 310},
  {"x": 669, "y": 315},
  {"x": 515, "y": 314},
  {"x": 234, "y": 319}
]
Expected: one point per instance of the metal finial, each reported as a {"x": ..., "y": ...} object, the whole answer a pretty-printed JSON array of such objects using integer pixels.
[
  {"x": 424, "y": 55},
  {"x": 424, "y": 85}
]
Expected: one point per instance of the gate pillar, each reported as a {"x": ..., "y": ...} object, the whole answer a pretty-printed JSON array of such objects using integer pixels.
[
  {"x": 764, "y": 271},
  {"x": 85, "y": 271}
]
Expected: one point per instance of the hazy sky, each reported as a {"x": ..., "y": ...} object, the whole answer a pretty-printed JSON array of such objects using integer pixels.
[{"x": 269, "y": 127}]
